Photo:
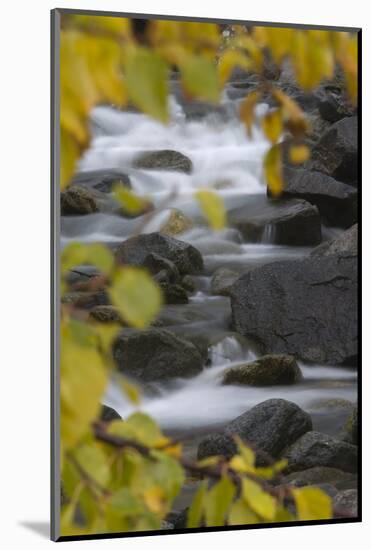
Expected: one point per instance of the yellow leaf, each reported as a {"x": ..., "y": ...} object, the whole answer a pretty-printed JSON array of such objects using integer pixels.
[
  {"x": 69, "y": 154},
  {"x": 247, "y": 110},
  {"x": 174, "y": 450},
  {"x": 96, "y": 254},
  {"x": 129, "y": 201},
  {"x": 213, "y": 208},
  {"x": 218, "y": 501},
  {"x": 238, "y": 463},
  {"x": 273, "y": 170},
  {"x": 136, "y": 295},
  {"x": 241, "y": 514},
  {"x": 272, "y": 125},
  {"x": 312, "y": 503},
  {"x": 259, "y": 501},
  {"x": 228, "y": 61},
  {"x": 155, "y": 499},
  {"x": 200, "y": 78},
  {"x": 131, "y": 390},
  {"x": 195, "y": 512},
  {"x": 299, "y": 154},
  {"x": 147, "y": 82}
]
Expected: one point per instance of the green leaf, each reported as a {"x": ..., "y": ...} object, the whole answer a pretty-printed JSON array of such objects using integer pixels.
[
  {"x": 218, "y": 501},
  {"x": 194, "y": 515},
  {"x": 126, "y": 503},
  {"x": 147, "y": 83},
  {"x": 93, "y": 461},
  {"x": 200, "y": 78},
  {"x": 312, "y": 503},
  {"x": 139, "y": 427},
  {"x": 259, "y": 501},
  {"x": 212, "y": 207},
  {"x": 136, "y": 295}
]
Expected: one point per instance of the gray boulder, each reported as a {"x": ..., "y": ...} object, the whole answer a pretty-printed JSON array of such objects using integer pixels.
[
  {"x": 156, "y": 263},
  {"x": 163, "y": 160},
  {"x": 346, "y": 502},
  {"x": 293, "y": 222},
  {"x": 77, "y": 201},
  {"x": 318, "y": 475},
  {"x": 333, "y": 106},
  {"x": 345, "y": 245},
  {"x": 105, "y": 314},
  {"x": 223, "y": 280},
  {"x": 269, "y": 370},
  {"x": 336, "y": 201},
  {"x": 107, "y": 414},
  {"x": 350, "y": 429},
  {"x": 312, "y": 311},
  {"x": 174, "y": 294},
  {"x": 336, "y": 153},
  {"x": 134, "y": 251},
  {"x": 317, "y": 449},
  {"x": 155, "y": 354},
  {"x": 269, "y": 427}
]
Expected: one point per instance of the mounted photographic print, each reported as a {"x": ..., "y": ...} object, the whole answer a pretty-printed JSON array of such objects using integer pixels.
[{"x": 205, "y": 265}]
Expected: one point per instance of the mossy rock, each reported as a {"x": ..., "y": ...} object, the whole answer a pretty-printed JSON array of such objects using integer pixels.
[
  {"x": 176, "y": 223},
  {"x": 269, "y": 370},
  {"x": 78, "y": 201},
  {"x": 105, "y": 314},
  {"x": 163, "y": 160},
  {"x": 350, "y": 430}
]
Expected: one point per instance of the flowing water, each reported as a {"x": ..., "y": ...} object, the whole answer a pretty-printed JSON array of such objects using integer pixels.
[{"x": 223, "y": 158}]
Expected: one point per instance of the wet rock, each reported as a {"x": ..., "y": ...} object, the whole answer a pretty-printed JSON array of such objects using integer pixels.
[
  {"x": 163, "y": 160},
  {"x": 77, "y": 201},
  {"x": 156, "y": 264},
  {"x": 156, "y": 354},
  {"x": 317, "y": 449},
  {"x": 107, "y": 414},
  {"x": 269, "y": 427},
  {"x": 345, "y": 245},
  {"x": 86, "y": 300},
  {"x": 336, "y": 201},
  {"x": 222, "y": 281},
  {"x": 135, "y": 250},
  {"x": 188, "y": 283},
  {"x": 102, "y": 180},
  {"x": 346, "y": 502},
  {"x": 269, "y": 370},
  {"x": 174, "y": 294},
  {"x": 176, "y": 223},
  {"x": 333, "y": 106},
  {"x": 105, "y": 314},
  {"x": 318, "y": 475},
  {"x": 336, "y": 152},
  {"x": 293, "y": 222},
  {"x": 312, "y": 311}
]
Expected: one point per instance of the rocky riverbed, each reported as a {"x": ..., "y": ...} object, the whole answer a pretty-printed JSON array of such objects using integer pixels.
[{"x": 259, "y": 332}]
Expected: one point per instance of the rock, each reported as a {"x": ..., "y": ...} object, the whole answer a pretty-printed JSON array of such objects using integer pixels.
[
  {"x": 77, "y": 201},
  {"x": 135, "y": 250},
  {"x": 156, "y": 354},
  {"x": 336, "y": 201},
  {"x": 350, "y": 430},
  {"x": 333, "y": 106},
  {"x": 346, "y": 502},
  {"x": 105, "y": 314},
  {"x": 269, "y": 370},
  {"x": 156, "y": 264},
  {"x": 345, "y": 245},
  {"x": 222, "y": 281},
  {"x": 102, "y": 180},
  {"x": 188, "y": 283},
  {"x": 176, "y": 223},
  {"x": 107, "y": 414},
  {"x": 293, "y": 222},
  {"x": 269, "y": 427},
  {"x": 86, "y": 300},
  {"x": 163, "y": 160},
  {"x": 317, "y": 449},
  {"x": 318, "y": 475},
  {"x": 336, "y": 152},
  {"x": 174, "y": 294},
  {"x": 310, "y": 312}
]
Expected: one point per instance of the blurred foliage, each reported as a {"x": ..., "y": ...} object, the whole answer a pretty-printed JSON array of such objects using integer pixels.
[{"x": 124, "y": 475}]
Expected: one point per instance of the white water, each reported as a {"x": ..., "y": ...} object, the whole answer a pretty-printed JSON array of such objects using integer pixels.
[{"x": 224, "y": 158}]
